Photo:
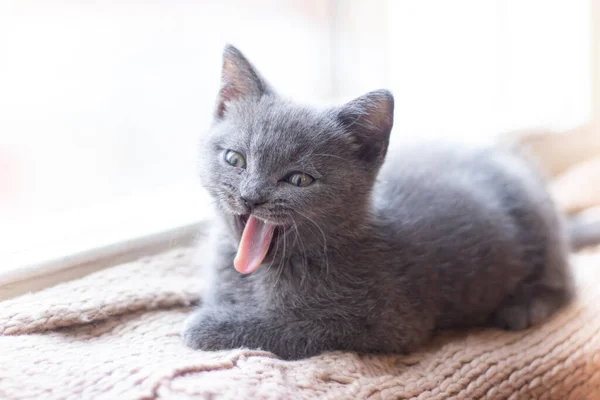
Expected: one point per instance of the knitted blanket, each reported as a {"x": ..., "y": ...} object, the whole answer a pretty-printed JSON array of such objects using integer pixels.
[{"x": 115, "y": 335}]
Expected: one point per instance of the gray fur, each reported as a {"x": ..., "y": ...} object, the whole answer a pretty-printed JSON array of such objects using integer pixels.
[{"x": 377, "y": 259}]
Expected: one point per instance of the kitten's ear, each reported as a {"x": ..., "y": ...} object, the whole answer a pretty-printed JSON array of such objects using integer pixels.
[
  {"x": 369, "y": 119},
  {"x": 239, "y": 80}
]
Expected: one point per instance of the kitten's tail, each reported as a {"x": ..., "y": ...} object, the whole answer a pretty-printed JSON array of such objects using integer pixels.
[{"x": 583, "y": 232}]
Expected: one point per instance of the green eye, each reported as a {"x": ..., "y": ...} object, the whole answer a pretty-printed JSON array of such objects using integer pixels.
[
  {"x": 235, "y": 159},
  {"x": 300, "y": 179}
]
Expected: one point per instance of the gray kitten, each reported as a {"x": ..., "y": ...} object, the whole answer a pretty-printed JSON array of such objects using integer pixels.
[{"x": 317, "y": 249}]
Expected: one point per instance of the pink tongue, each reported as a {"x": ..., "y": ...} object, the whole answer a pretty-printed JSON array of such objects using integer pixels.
[{"x": 254, "y": 245}]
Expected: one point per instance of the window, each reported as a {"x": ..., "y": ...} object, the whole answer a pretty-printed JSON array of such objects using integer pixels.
[{"x": 103, "y": 104}]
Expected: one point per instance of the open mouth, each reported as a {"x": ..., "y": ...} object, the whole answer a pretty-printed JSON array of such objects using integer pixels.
[
  {"x": 280, "y": 230},
  {"x": 258, "y": 239}
]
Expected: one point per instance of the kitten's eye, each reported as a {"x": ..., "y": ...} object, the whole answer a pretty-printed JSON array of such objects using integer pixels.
[
  {"x": 300, "y": 179},
  {"x": 235, "y": 159}
]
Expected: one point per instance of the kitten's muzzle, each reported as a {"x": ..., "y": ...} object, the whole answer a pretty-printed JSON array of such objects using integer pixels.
[{"x": 252, "y": 202}]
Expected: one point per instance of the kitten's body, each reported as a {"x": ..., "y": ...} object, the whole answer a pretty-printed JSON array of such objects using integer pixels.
[{"x": 444, "y": 238}]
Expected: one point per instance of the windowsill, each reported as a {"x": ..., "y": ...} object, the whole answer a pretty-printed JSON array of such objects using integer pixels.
[{"x": 43, "y": 252}]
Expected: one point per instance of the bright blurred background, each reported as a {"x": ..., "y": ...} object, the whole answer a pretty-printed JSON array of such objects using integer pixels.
[{"x": 102, "y": 103}]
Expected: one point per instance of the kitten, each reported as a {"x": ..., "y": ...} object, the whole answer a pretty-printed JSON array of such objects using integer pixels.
[{"x": 317, "y": 249}]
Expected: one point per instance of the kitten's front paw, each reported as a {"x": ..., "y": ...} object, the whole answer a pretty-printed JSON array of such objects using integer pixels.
[{"x": 203, "y": 332}]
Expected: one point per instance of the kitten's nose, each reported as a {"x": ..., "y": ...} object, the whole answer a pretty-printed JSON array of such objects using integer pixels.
[{"x": 252, "y": 202}]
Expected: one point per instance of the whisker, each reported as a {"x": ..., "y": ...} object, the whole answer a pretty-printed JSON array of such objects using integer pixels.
[
  {"x": 279, "y": 205},
  {"x": 303, "y": 249},
  {"x": 274, "y": 255},
  {"x": 281, "y": 265},
  {"x": 279, "y": 210},
  {"x": 324, "y": 241}
]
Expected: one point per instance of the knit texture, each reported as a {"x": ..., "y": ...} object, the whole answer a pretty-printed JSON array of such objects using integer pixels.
[{"x": 115, "y": 335}]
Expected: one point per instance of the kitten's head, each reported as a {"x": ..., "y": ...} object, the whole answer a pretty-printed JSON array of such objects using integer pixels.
[{"x": 274, "y": 166}]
